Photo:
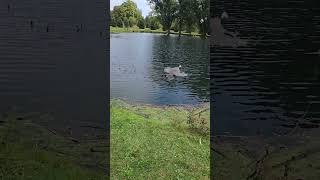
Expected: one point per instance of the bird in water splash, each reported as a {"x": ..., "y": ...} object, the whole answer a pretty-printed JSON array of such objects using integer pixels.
[
  {"x": 175, "y": 72},
  {"x": 224, "y": 15}
]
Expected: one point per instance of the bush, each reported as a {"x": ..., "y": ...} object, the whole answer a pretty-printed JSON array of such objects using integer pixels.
[
  {"x": 154, "y": 25},
  {"x": 152, "y": 22},
  {"x": 132, "y": 21},
  {"x": 141, "y": 23},
  {"x": 175, "y": 26},
  {"x": 126, "y": 22},
  {"x": 198, "y": 119}
]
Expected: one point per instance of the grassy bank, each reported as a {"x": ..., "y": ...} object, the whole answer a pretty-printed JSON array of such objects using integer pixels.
[
  {"x": 166, "y": 142},
  {"x": 148, "y": 30},
  {"x": 30, "y": 151},
  {"x": 147, "y": 142},
  {"x": 152, "y": 142}
]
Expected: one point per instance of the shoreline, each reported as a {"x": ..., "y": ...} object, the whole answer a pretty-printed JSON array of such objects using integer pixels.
[
  {"x": 188, "y": 115},
  {"x": 148, "y": 30},
  {"x": 134, "y": 103}
]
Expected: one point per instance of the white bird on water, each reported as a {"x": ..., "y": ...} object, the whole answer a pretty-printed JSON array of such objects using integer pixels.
[
  {"x": 175, "y": 71},
  {"x": 224, "y": 15}
]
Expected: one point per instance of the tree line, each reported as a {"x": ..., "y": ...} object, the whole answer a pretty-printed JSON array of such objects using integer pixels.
[{"x": 176, "y": 15}]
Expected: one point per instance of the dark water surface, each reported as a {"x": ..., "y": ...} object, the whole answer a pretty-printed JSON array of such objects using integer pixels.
[
  {"x": 138, "y": 61},
  {"x": 273, "y": 83},
  {"x": 52, "y": 59}
]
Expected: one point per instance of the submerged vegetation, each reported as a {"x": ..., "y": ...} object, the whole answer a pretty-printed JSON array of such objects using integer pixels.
[
  {"x": 171, "y": 16},
  {"x": 159, "y": 142}
]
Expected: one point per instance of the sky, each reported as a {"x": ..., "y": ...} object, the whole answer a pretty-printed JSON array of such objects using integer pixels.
[{"x": 141, "y": 4}]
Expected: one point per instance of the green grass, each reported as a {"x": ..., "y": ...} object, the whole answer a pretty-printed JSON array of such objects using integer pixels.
[
  {"x": 148, "y": 30},
  {"x": 29, "y": 151},
  {"x": 152, "y": 142},
  {"x": 149, "y": 142}
]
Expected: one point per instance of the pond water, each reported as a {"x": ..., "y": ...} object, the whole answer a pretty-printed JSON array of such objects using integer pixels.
[
  {"x": 137, "y": 62},
  {"x": 273, "y": 83},
  {"x": 47, "y": 66}
]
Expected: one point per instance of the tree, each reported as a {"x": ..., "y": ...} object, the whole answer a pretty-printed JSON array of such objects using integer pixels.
[
  {"x": 152, "y": 22},
  {"x": 118, "y": 13},
  {"x": 180, "y": 16},
  {"x": 166, "y": 10},
  {"x": 203, "y": 16},
  {"x": 186, "y": 15},
  {"x": 147, "y": 22},
  {"x": 112, "y": 19},
  {"x": 125, "y": 15},
  {"x": 182, "y": 13},
  {"x": 132, "y": 21},
  {"x": 130, "y": 8},
  {"x": 175, "y": 26},
  {"x": 141, "y": 23}
]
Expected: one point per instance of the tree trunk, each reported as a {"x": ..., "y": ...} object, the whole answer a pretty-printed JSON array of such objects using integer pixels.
[
  {"x": 168, "y": 31},
  {"x": 180, "y": 27},
  {"x": 203, "y": 29}
]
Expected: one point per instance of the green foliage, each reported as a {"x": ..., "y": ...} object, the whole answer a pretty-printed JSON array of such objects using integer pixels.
[
  {"x": 152, "y": 22},
  {"x": 132, "y": 21},
  {"x": 125, "y": 15},
  {"x": 147, "y": 22},
  {"x": 126, "y": 22},
  {"x": 183, "y": 15},
  {"x": 166, "y": 10},
  {"x": 117, "y": 16},
  {"x": 146, "y": 30},
  {"x": 203, "y": 13},
  {"x": 112, "y": 20},
  {"x": 176, "y": 15},
  {"x": 175, "y": 26},
  {"x": 186, "y": 16},
  {"x": 198, "y": 119},
  {"x": 130, "y": 9},
  {"x": 141, "y": 23}
]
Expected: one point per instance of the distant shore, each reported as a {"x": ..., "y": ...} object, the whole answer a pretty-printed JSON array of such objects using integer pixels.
[{"x": 148, "y": 30}]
